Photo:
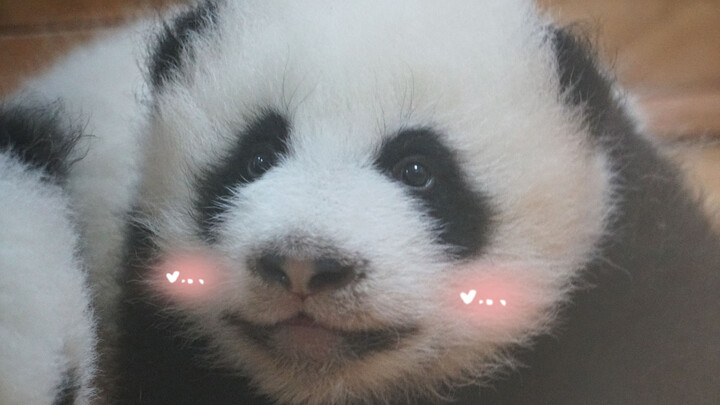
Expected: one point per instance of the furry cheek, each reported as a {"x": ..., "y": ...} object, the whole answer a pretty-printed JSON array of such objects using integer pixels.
[
  {"x": 499, "y": 300},
  {"x": 189, "y": 276}
]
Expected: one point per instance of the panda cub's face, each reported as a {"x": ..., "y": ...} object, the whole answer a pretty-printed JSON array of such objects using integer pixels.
[{"x": 377, "y": 197}]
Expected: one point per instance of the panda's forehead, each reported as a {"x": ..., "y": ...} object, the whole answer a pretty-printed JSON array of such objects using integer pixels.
[
  {"x": 364, "y": 71},
  {"x": 357, "y": 110},
  {"x": 347, "y": 76}
]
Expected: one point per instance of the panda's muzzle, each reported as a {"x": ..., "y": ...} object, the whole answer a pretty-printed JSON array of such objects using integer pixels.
[{"x": 313, "y": 272}]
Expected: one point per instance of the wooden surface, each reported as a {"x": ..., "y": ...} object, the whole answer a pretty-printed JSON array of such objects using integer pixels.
[
  {"x": 23, "y": 16},
  {"x": 33, "y": 33},
  {"x": 666, "y": 52}
]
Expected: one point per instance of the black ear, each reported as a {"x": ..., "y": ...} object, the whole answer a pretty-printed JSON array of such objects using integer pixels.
[
  {"x": 581, "y": 79},
  {"x": 173, "y": 43},
  {"x": 39, "y": 136}
]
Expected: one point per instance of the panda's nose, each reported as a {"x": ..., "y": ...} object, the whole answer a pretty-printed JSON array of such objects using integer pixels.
[{"x": 302, "y": 276}]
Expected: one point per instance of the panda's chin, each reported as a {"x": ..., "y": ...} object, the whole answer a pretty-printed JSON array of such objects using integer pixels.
[{"x": 302, "y": 339}]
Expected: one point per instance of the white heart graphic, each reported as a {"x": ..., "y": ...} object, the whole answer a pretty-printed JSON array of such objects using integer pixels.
[
  {"x": 172, "y": 277},
  {"x": 467, "y": 298}
]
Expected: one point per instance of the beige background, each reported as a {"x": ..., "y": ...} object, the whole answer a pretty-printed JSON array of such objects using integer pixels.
[{"x": 667, "y": 52}]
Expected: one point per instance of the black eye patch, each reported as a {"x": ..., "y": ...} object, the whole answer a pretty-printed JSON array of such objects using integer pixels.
[
  {"x": 429, "y": 171},
  {"x": 261, "y": 145}
]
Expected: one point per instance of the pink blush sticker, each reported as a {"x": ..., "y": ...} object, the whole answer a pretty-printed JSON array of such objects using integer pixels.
[
  {"x": 188, "y": 275},
  {"x": 498, "y": 303}
]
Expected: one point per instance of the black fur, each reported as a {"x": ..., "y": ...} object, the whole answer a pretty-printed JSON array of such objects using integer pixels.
[
  {"x": 648, "y": 330},
  {"x": 155, "y": 364},
  {"x": 173, "y": 43},
  {"x": 580, "y": 80},
  {"x": 463, "y": 214},
  {"x": 39, "y": 137},
  {"x": 68, "y": 389},
  {"x": 267, "y": 135}
]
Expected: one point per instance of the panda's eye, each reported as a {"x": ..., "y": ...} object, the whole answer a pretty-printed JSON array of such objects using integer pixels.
[
  {"x": 414, "y": 173},
  {"x": 260, "y": 162}
]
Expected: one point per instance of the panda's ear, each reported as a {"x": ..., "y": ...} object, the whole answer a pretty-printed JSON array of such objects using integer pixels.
[
  {"x": 173, "y": 45},
  {"x": 40, "y": 136},
  {"x": 582, "y": 80}
]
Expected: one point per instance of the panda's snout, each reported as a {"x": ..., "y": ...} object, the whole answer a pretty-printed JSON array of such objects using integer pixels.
[{"x": 304, "y": 276}]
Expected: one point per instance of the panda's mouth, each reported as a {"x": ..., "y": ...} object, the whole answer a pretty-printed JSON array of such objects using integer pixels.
[{"x": 302, "y": 336}]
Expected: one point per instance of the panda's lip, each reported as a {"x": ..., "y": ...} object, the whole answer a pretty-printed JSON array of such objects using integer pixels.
[
  {"x": 357, "y": 342},
  {"x": 304, "y": 320},
  {"x": 300, "y": 319}
]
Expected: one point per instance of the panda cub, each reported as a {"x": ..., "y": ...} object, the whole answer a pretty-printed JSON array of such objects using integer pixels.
[
  {"x": 319, "y": 202},
  {"x": 46, "y": 324}
]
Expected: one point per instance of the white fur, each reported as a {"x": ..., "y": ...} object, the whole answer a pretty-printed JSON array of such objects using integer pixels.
[
  {"x": 349, "y": 75},
  {"x": 101, "y": 86},
  {"x": 46, "y": 327}
]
